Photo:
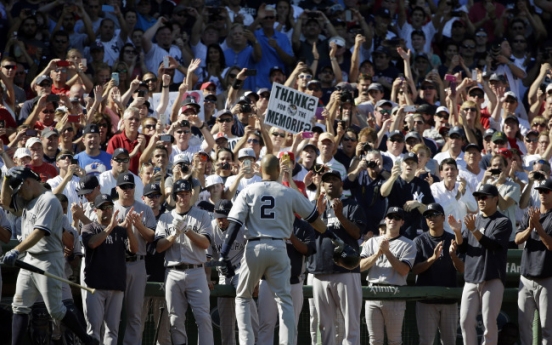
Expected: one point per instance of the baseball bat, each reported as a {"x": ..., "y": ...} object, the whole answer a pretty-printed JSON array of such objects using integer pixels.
[{"x": 35, "y": 269}]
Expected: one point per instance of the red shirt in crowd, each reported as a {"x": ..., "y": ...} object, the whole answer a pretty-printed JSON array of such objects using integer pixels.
[
  {"x": 46, "y": 171},
  {"x": 121, "y": 140},
  {"x": 9, "y": 122}
]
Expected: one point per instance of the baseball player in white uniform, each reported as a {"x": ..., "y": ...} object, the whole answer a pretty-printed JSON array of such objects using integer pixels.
[
  {"x": 185, "y": 233},
  {"x": 227, "y": 306},
  {"x": 267, "y": 210},
  {"x": 41, "y": 229}
]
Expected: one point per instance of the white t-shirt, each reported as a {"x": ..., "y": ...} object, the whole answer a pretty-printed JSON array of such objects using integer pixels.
[{"x": 154, "y": 58}]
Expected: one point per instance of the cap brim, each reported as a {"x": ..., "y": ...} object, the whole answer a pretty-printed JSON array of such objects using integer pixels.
[
  {"x": 84, "y": 191},
  {"x": 543, "y": 188},
  {"x": 397, "y": 213},
  {"x": 153, "y": 193},
  {"x": 481, "y": 193},
  {"x": 125, "y": 183},
  {"x": 328, "y": 174},
  {"x": 217, "y": 215}
]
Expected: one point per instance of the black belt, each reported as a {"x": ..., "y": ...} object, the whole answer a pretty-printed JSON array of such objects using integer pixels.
[
  {"x": 183, "y": 267},
  {"x": 135, "y": 258},
  {"x": 264, "y": 238}
]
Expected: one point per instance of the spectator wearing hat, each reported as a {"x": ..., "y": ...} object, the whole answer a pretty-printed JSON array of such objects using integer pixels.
[
  {"x": 182, "y": 132},
  {"x": 129, "y": 138},
  {"x": 455, "y": 140},
  {"x": 472, "y": 173},
  {"x": 453, "y": 193},
  {"x": 155, "y": 52},
  {"x": 143, "y": 223},
  {"x": 487, "y": 136},
  {"x": 92, "y": 159},
  {"x": 21, "y": 157},
  {"x": 307, "y": 162},
  {"x": 511, "y": 128},
  {"x": 213, "y": 192},
  {"x": 388, "y": 259},
  {"x": 420, "y": 126},
  {"x": 484, "y": 243},
  {"x": 437, "y": 264},
  {"x": 431, "y": 90},
  {"x": 364, "y": 180},
  {"x": 45, "y": 170},
  {"x": 414, "y": 202},
  {"x": 67, "y": 182},
  {"x": 275, "y": 46},
  {"x": 498, "y": 141},
  {"x": 50, "y": 143},
  {"x": 106, "y": 242},
  {"x": 246, "y": 175},
  {"x": 345, "y": 218},
  {"x": 535, "y": 279},
  {"x": 384, "y": 71},
  {"x": 120, "y": 162},
  {"x": 507, "y": 106},
  {"x": 225, "y": 121},
  {"x": 182, "y": 169},
  {"x": 395, "y": 146},
  {"x": 328, "y": 147},
  {"x": 477, "y": 95}
]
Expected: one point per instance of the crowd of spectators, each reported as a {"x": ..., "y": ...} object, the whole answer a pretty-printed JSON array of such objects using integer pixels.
[{"x": 420, "y": 102}]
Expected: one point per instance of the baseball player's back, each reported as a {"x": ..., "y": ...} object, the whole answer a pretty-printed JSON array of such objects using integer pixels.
[{"x": 266, "y": 209}]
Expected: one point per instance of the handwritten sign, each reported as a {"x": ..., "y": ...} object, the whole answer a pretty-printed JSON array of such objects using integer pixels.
[{"x": 290, "y": 110}]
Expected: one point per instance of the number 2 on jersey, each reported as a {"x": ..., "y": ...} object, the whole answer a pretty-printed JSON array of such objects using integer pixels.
[{"x": 267, "y": 205}]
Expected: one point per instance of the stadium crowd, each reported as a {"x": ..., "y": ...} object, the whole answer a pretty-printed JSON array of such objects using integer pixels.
[{"x": 429, "y": 153}]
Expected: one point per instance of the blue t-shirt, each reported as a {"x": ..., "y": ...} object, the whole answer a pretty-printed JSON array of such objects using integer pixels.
[
  {"x": 270, "y": 56},
  {"x": 94, "y": 165},
  {"x": 242, "y": 59}
]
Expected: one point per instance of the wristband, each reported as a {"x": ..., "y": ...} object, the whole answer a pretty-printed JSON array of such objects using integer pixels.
[
  {"x": 203, "y": 125},
  {"x": 237, "y": 84},
  {"x": 165, "y": 86}
]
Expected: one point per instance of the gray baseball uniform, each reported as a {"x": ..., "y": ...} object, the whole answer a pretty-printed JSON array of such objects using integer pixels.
[
  {"x": 43, "y": 213},
  {"x": 267, "y": 210},
  {"x": 227, "y": 306},
  {"x": 186, "y": 283},
  {"x": 136, "y": 276},
  {"x": 387, "y": 316},
  {"x": 4, "y": 223}
]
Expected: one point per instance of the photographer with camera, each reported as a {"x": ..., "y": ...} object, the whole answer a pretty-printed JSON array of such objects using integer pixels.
[
  {"x": 530, "y": 196},
  {"x": 246, "y": 175},
  {"x": 498, "y": 61},
  {"x": 364, "y": 180},
  {"x": 182, "y": 169}
]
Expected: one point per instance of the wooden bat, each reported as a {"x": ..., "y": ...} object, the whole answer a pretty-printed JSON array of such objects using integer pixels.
[{"x": 35, "y": 269}]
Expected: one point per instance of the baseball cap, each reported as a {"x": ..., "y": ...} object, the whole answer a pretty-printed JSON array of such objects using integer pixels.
[
  {"x": 531, "y": 132},
  {"x": 314, "y": 82},
  {"x": 394, "y": 134},
  {"x": 469, "y": 146},
  {"x": 22, "y": 152},
  {"x": 456, "y": 130},
  {"x": 422, "y": 56},
  {"x": 486, "y": 189},
  {"x": 102, "y": 199},
  {"x": 48, "y": 132},
  {"x": 210, "y": 98},
  {"x": 251, "y": 93},
  {"x": 182, "y": 186},
  {"x": 87, "y": 184},
  {"x": 120, "y": 151},
  {"x": 290, "y": 154},
  {"x": 91, "y": 128},
  {"x": 506, "y": 153},
  {"x": 548, "y": 88},
  {"x": 222, "y": 208},
  {"x": 497, "y": 77},
  {"x": 190, "y": 104},
  {"x": 395, "y": 210},
  {"x": 511, "y": 117},
  {"x": 343, "y": 85},
  {"x": 31, "y": 141},
  {"x": 489, "y": 133},
  {"x": 207, "y": 84},
  {"x": 498, "y": 136},
  {"x": 426, "y": 109},
  {"x": 383, "y": 102},
  {"x": 125, "y": 178},
  {"x": 246, "y": 152},
  {"x": 212, "y": 180},
  {"x": 17, "y": 175},
  {"x": 220, "y": 135},
  {"x": 433, "y": 208},
  {"x": 96, "y": 46},
  {"x": 62, "y": 109},
  {"x": 410, "y": 156},
  {"x": 510, "y": 94},
  {"x": 413, "y": 134},
  {"x": 152, "y": 188},
  {"x": 275, "y": 69},
  {"x": 244, "y": 100},
  {"x": 331, "y": 172},
  {"x": 326, "y": 136},
  {"x": 375, "y": 86},
  {"x": 545, "y": 185},
  {"x": 381, "y": 50},
  {"x": 442, "y": 108},
  {"x": 263, "y": 90},
  {"x": 338, "y": 40},
  {"x": 181, "y": 158},
  {"x": 312, "y": 146},
  {"x": 43, "y": 78}
]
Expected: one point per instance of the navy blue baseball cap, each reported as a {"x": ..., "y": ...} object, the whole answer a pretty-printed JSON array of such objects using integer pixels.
[
  {"x": 222, "y": 208},
  {"x": 486, "y": 189},
  {"x": 395, "y": 211},
  {"x": 433, "y": 208},
  {"x": 182, "y": 186},
  {"x": 152, "y": 189},
  {"x": 331, "y": 173},
  {"x": 125, "y": 178},
  {"x": 102, "y": 199},
  {"x": 87, "y": 184}
]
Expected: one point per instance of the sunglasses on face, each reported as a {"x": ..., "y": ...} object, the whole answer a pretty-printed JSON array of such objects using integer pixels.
[
  {"x": 253, "y": 141},
  {"x": 65, "y": 157},
  {"x": 152, "y": 80},
  {"x": 232, "y": 75},
  {"x": 544, "y": 191},
  {"x": 265, "y": 95},
  {"x": 102, "y": 125},
  {"x": 48, "y": 111},
  {"x": 149, "y": 126},
  {"x": 476, "y": 95},
  {"x": 393, "y": 217},
  {"x": 184, "y": 131},
  {"x": 419, "y": 122},
  {"x": 227, "y": 120},
  {"x": 127, "y": 186},
  {"x": 531, "y": 140},
  {"x": 429, "y": 87},
  {"x": 345, "y": 138},
  {"x": 396, "y": 140},
  {"x": 314, "y": 88},
  {"x": 433, "y": 215},
  {"x": 121, "y": 160},
  {"x": 153, "y": 196},
  {"x": 60, "y": 70},
  {"x": 10, "y": 67},
  {"x": 538, "y": 125},
  {"x": 68, "y": 129},
  {"x": 444, "y": 117},
  {"x": 276, "y": 134}
]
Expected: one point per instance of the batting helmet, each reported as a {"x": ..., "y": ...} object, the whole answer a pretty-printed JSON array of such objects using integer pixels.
[
  {"x": 181, "y": 186},
  {"x": 347, "y": 258}
]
